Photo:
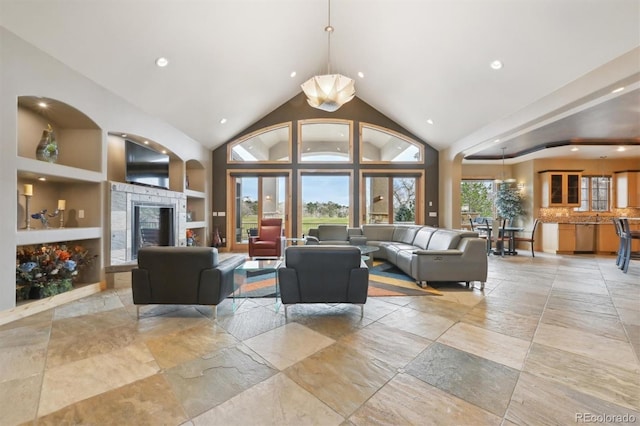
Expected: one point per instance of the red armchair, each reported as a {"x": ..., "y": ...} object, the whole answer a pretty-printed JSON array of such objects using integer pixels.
[{"x": 268, "y": 243}]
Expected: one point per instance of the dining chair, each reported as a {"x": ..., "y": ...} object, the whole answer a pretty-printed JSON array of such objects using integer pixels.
[
  {"x": 629, "y": 236},
  {"x": 529, "y": 239},
  {"x": 499, "y": 236},
  {"x": 482, "y": 233},
  {"x": 622, "y": 244}
]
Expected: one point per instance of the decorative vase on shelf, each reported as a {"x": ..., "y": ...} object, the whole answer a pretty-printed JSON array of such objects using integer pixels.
[{"x": 47, "y": 149}]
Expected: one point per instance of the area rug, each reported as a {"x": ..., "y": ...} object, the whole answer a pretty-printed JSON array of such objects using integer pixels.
[
  {"x": 384, "y": 280},
  {"x": 387, "y": 280}
]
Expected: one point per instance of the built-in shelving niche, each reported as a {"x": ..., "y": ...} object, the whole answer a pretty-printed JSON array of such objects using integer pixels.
[{"x": 76, "y": 177}]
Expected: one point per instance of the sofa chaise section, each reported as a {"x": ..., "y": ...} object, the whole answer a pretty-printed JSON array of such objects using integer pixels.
[{"x": 429, "y": 254}]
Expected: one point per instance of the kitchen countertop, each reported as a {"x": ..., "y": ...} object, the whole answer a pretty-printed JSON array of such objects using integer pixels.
[{"x": 602, "y": 222}]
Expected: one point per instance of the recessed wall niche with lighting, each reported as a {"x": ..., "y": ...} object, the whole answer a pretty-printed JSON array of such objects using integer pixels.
[{"x": 72, "y": 183}]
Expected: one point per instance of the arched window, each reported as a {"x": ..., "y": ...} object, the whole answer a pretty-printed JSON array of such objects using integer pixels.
[
  {"x": 379, "y": 145},
  {"x": 269, "y": 145}
]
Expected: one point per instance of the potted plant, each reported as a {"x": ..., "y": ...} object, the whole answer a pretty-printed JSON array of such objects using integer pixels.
[{"x": 508, "y": 202}]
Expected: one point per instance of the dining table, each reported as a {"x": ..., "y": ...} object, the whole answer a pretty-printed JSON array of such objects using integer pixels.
[{"x": 511, "y": 233}]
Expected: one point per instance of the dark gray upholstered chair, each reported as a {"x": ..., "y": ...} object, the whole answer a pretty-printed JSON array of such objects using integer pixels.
[
  {"x": 182, "y": 276},
  {"x": 323, "y": 274}
]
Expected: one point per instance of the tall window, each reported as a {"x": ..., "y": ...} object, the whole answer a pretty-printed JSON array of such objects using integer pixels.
[
  {"x": 476, "y": 198},
  {"x": 390, "y": 199},
  {"x": 325, "y": 199},
  {"x": 595, "y": 192}
]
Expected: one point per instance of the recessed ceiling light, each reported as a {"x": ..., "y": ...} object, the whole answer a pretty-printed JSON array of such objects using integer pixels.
[
  {"x": 621, "y": 149},
  {"x": 42, "y": 179},
  {"x": 360, "y": 74},
  {"x": 164, "y": 151},
  {"x": 496, "y": 65},
  {"x": 162, "y": 62},
  {"x": 293, "y": 74},
  {"x": 124, "y": 135},
  {"x": 575, "y": 148},
  {"x": 496, "y": 141},
  {"x": 618, "y": 90},
  {"x": 146, "y": 142},
  {"x": 429, "y": 121},
  {"x": 223, "y": 120},
  {"x": 42, "y": 105}
]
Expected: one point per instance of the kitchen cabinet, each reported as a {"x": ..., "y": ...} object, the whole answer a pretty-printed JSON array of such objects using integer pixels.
[
  {"x": 566, "y": 238},
  {"x": 607, "y": 239},
  {"x": 560, "y": 188},
  {"x": 558, "y": 238},
  {"x": 627, "y": 188}
]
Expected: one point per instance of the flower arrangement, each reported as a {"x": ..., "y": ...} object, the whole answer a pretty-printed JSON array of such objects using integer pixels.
[{"x": 52, "y": 268}]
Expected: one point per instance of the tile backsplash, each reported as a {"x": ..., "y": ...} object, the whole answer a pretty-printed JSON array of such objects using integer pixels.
[{"x": 568, "y": 215}]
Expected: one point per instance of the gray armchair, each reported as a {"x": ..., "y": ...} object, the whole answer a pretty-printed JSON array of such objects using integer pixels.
[
  {"x": 182, "y": 276},
  {"x": 323, "y": 274}
]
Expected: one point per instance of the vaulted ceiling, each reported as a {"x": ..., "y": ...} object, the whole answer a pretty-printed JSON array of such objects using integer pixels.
[{"x": 423, "y": 61}]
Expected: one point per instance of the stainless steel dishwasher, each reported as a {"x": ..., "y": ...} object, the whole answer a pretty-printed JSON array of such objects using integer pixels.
[{"x": 585, "y": 237}]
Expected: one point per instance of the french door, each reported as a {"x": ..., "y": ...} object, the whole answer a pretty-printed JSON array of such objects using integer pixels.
[
  {"x": 392, "y": 198},
  {"x": 256, "y": 197}
]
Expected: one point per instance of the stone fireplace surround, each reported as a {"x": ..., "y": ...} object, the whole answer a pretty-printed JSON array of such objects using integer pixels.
[{"x": 123, "y": 198}]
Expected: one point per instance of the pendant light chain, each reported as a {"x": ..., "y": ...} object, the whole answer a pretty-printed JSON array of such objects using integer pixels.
[
  {"x": 329, "y": 30},
  {"x": 330, "y": 91}
]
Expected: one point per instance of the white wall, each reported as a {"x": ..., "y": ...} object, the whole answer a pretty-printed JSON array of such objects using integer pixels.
[{"x": 26, "y": 70}]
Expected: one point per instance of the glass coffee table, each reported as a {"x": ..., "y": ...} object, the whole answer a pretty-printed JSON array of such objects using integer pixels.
[
  {"x": 365, "y": 251},
  {"x": 253, "y": 268}
]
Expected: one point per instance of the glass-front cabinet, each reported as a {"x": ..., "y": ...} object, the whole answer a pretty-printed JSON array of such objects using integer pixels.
[{"x": 560, "y": 188}]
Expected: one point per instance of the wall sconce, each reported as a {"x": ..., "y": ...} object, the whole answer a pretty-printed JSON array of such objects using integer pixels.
[
  {"x": 521, "y": 186},
  {"x": 268, "y": 198},
  {"x": 378, "y": 198}
]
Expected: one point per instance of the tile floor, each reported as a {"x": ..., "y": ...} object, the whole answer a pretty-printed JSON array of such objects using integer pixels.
[{"x": 552, "y": 340}]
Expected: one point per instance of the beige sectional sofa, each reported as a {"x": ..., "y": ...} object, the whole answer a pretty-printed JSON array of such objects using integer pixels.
[
  {"x": 425, "y": 253},
  {"x": 335, "y": 235}
]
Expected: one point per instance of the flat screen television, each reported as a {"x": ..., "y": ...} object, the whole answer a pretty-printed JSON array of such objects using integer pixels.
[{"x": 144, "y": 166}]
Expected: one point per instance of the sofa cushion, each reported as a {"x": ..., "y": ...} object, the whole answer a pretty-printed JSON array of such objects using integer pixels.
[
  {"x": 393, "y": 249},
  {"x": 423, "y": 236},
  {"x": 378, "y": 232},
  {"x": 405, "y": 234},
  {"x": 404, "y": 261},
  {"x": 332, "y": 233},
  {"x": 444, "y": 239}
]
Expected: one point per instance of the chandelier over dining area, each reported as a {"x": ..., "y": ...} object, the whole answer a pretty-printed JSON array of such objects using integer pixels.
[{"x": 329, "y": 92}]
